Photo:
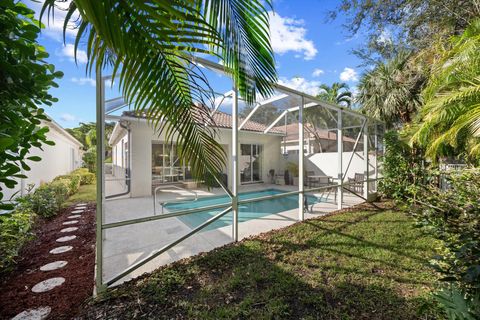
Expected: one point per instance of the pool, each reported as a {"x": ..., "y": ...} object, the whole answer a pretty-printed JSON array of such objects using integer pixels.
[{"x": 247, "y": 211}]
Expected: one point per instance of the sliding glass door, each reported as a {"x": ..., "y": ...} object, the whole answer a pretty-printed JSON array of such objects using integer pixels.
[
  {"x": 166, "y": 165},
  {"x": 251, "y": 163}
]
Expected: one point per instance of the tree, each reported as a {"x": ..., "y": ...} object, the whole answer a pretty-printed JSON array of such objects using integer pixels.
[
  {"x": 150, "y": 46},
  {"x": 86, "y": 133},
  {"x": 338, "y": 93},
  {"x": 81, "y": 132},
  {"x": 391, "y": 91},
  {"x": 25, "y": 78},
  {"x": 396, "y": 25},
  {"x": 449, "y": 121}
]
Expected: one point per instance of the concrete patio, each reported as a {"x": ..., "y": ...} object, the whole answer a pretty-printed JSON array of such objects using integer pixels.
[{"x": 126, "y": 245}]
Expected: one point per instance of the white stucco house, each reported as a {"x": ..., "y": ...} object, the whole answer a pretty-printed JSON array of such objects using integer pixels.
[
  {"x": 61, "y": 158},
  {"x": 141, "y": 153},
  {"x": 142, "y": 160}
]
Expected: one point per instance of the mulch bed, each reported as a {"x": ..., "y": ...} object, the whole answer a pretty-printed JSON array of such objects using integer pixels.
[{"x": 65, "y": 300}]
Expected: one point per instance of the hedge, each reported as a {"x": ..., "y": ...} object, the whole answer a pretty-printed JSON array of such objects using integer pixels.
[
  {"x": 15, "y": 231},
  {"x": 86, "y": 177}
]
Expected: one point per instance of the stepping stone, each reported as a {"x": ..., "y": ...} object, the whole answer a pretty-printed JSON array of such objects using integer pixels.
[
  {"x": 81, "y": 204},
  {"x": 77, "y": 211},
  {"x": 53, "y": 266},
  {"x": 65, "y": 239},
  {"x": 71, "y": 229},
  {"x": 47, "y": 285},
  {"x": 62, "y": 249},
  {"x": 74, "y": 216},
  {"x": 33, "y": 314},
  {"x": 70, "y": 222}
]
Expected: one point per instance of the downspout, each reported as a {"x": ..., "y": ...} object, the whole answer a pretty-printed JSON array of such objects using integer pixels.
[{"x": 126, "y": 127}]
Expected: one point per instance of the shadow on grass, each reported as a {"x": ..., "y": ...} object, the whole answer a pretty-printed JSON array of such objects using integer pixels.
[{"x": 243, "y": 282}]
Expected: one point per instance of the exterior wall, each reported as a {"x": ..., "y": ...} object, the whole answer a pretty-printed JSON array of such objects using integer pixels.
[
  {"x": 327, "y": 163},
  {"x": 142, "y": 136},
  {"x": 62, "y": 158},
  {"x": 119, "y": 160}
]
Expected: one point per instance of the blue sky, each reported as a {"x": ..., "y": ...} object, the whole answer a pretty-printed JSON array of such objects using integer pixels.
[{"x": 309, "y": 50}]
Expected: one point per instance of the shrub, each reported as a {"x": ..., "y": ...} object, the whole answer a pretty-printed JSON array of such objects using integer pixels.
[
  {"x": 90, "y": 159},
  {"x": 47, "y": 200},
  {"x": 453, "y": 216},
  {"x": 15, "y": 232},
  {"x": 80, "y": 171},
  {"x": 403, "y": 169},
  {"x": 61, "y": 188},
  {"x": 44, "y": 202},
  {"x": 86, "y": 177},
  {"x": 74, "y": 182}
]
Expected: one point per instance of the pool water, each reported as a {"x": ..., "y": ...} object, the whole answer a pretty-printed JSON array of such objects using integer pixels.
[{"x": 247, "y": 211}]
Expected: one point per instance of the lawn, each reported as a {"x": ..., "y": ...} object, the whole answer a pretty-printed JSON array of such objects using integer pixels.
[
  {"x": 353, "y": 265},
  {"x": 86, "y": 193}
]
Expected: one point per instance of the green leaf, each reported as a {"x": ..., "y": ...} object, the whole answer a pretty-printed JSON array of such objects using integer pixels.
[
  {"x": 34, "y": 158},
  {"x": 6, "y": 142}
]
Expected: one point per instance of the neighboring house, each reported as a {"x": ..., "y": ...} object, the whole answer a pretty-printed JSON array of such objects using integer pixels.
[
  {"x": 62, "y": 158},
  {"x": 141, "y": 152}
]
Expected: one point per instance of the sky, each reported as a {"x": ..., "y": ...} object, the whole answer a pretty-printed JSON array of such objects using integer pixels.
[{"x": 309, "y": 50}]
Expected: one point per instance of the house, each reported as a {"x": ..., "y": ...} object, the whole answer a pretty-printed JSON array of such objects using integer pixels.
[
  {"x": 61, "y": 158},
  {"x": 142, "y": 155}
]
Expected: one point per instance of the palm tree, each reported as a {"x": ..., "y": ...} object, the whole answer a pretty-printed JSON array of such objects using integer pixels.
[
  {"x": 450, "y": 118},
  {"x": 391, "y": 90},
  {"x": 150, "y": 46},
  {"x": 338, "y": 93}
]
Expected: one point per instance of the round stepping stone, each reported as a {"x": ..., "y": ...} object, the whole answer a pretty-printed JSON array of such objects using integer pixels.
[
  {"x": 77, "y": 211},
  {"x": 70, "y": 222},
  {"x": 61, "y": 249},
  {"x": 47, "y": 285},
  {"x": 74, "y": 216},
  {"x": 33, "y": 314},
  {"x": 53, "y": 266},
  {"x": 71, "y": 229},
  {"x": 65, "y": 239}
]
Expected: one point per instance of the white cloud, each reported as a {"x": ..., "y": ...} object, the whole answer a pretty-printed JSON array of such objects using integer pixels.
[
  {"x": 54, "y": 23},
  {"x": 349, "y": 74},
  {"x": 69, "y": 51},
  {"x": 317, "y": 72},
  {"x": 83, "y": 81},
  {"x": 288, "y": 34},
  {"x": 67, "y": 117},
  {"x": 301, "y": 84}
]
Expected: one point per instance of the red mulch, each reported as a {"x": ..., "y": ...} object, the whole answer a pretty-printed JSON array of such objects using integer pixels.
[{"x": 65, "y": 300}]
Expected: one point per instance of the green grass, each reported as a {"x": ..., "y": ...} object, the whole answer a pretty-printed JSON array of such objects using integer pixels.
[
  {"x": 86, "y": 193},
  {"x": 354, "y": 265}
]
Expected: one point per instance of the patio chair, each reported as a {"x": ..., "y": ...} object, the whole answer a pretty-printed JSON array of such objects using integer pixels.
[
  {"x": 356, "y": 183},
  {"x": 280, "y": 179},
  {"x": 311, "y": 181}
]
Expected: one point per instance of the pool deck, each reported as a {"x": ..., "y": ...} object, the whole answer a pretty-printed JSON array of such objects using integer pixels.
[{"x": 124, "y": 246}]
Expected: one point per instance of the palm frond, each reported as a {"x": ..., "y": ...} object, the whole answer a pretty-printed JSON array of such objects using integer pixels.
[
  {"x": 149, "y": 45},
  {"x": 450, "y": 116}
]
